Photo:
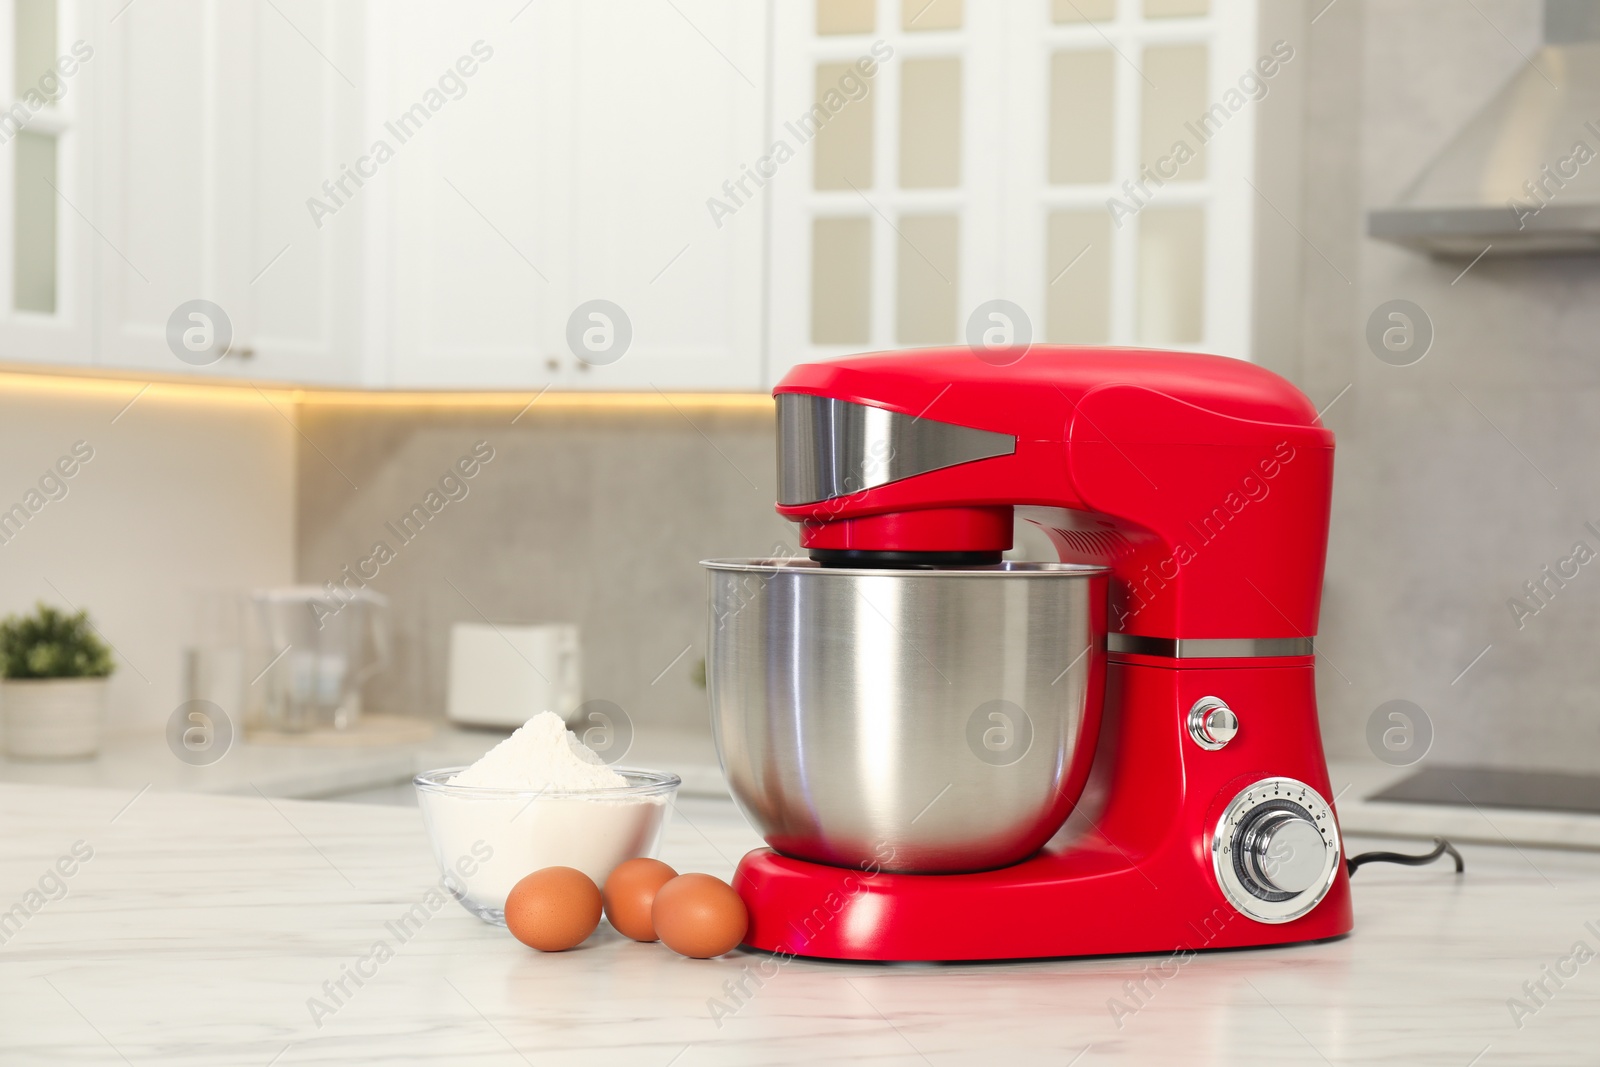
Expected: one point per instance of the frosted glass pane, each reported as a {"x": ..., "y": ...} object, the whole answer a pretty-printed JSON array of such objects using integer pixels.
[
  {"x": 843, "y": 156},
  {"x": 846, "y": 16},
  {"x": 1078, "y": 278},
  {"x": 841, "y": 281},
  {"x": 930, "y": 124},
  {"x": 1080, "y": 117},
  {"x": 35, "y": 23},
  {"x": 1175, "y": 95},
  {"x": 33, "y": 286},
  {"x": 1082, "y": 10},
  {"x": 918, "y": 15},
  {"x": 1171, "y": 275},
  {"x": 1167, "y": 9},
  {"x": 925, "y": 280}
]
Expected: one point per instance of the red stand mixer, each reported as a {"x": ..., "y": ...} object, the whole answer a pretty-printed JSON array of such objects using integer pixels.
[{"x": 955, "y": 757}]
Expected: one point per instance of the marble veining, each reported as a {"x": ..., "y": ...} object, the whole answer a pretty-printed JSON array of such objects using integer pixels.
[{"x": 206, "y": 929}]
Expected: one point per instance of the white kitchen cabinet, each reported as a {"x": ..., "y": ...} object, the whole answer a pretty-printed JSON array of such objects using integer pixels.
[
  {"x": 404, "y": 194},
  {"x": 667, "y": 105},
  {"x": 215, "y": 124},
  {"x": 459, "y": 246},
  {"x": 47, "y": 73},
  {"x": 575, "y": 166}
]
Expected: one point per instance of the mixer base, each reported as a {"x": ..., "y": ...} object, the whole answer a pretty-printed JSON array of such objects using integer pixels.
[{"x": 1081, "y": 901}]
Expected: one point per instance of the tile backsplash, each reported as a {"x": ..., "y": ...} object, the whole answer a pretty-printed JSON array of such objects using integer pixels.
[{"x": 590, "y": 515}]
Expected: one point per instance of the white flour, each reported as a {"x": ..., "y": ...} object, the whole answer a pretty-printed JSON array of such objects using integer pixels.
[
  {"x": 542, "y": 754},
  {"x": 541, "y": 826}
]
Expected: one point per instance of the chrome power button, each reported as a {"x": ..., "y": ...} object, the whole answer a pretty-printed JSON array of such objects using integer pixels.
[{"x": 1212, "y": 723}]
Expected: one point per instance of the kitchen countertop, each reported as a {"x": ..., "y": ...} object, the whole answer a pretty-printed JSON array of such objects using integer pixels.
[
  {"x": 382, "y": 773},
  {"x": 202, "y": 925}
]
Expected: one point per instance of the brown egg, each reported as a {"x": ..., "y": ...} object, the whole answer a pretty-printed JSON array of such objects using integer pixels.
[
  {"x": 698, "y": 915},
  {"x": 553, "y": 909},
  {"x": 630, "y": 891}
]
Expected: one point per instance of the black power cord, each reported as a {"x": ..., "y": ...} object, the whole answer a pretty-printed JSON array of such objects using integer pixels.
[{"x": 1440, "y": 848}]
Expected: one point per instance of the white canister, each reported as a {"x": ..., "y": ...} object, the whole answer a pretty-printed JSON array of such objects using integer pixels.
[{"x": 503, "y": 675}]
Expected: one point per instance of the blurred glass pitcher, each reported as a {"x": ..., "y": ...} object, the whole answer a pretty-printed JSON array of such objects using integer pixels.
[{"x": 319, "y": 649}]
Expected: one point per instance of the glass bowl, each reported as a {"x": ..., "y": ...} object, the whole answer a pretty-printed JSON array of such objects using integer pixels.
[{"x": 486, "y": 840}]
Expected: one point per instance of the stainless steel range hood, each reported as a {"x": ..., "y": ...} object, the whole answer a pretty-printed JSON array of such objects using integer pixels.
[{"x": 1523, "y": 177}]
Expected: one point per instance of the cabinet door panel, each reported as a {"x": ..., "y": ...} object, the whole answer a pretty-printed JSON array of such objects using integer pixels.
[
  {"x": 667, "y": 107},
  {"x": 469, "y": 220},
  {"x": 299, "y": 273},
  {"x": 218, "y": 124},
  {"x": 577, "y": 167},
  {"x": 156, "y": 131}
]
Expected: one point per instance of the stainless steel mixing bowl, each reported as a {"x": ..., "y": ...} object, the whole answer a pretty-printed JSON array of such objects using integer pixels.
[{"x": 908, "y": 720}]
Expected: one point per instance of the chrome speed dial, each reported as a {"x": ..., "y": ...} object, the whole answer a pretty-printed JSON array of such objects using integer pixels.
[
  {"x": 1276, "y": 850},
  {"x": 1283, "y": 852}
]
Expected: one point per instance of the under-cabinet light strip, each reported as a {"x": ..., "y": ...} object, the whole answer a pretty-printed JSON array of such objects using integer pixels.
[{"x": 241, "y": 390}]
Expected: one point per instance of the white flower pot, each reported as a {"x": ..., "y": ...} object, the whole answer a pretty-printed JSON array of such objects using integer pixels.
[{"x": 53, "y": 718}]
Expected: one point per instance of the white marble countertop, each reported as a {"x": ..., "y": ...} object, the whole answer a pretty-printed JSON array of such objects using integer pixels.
[
  {"x": 202, "y": 925},
  {"x": 381, "y": 772}
]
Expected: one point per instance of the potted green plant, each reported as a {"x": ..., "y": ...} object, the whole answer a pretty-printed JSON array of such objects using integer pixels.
[{"x": 53, "y": 672}]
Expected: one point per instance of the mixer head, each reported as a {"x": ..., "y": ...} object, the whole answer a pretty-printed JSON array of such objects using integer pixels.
[{"x": 1204, "y": 483}]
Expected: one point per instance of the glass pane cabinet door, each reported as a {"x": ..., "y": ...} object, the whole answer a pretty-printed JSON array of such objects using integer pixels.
[
  {"x": 1082, "y": 117},
  {"x": 843, "y": 154},
  {"x": 36, "y": 88},
  {"x": 34, "y": 49},
  {"x": 920, "y": 15},
  {"x": 46, "y": 196},
  {"x": 879, "y": 220},
  {"x": 1127, "y": 180},
  {"x": 1171, "y": 276},
  {"x": 835, "y": 17},
  {"x": 1078, "y": 293},
  {"x": 1166, "y": 9},
  {"x": 841, "y": 281},
  {"x": 930, "y": 124},
  {"x": 33, "y": 249},
  {"x": 1173, "y": 100},
  {"x": 925, "y": 280},
  {"x": 1085, "y": 160},
  {"x": 1082, "y": 10}
]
